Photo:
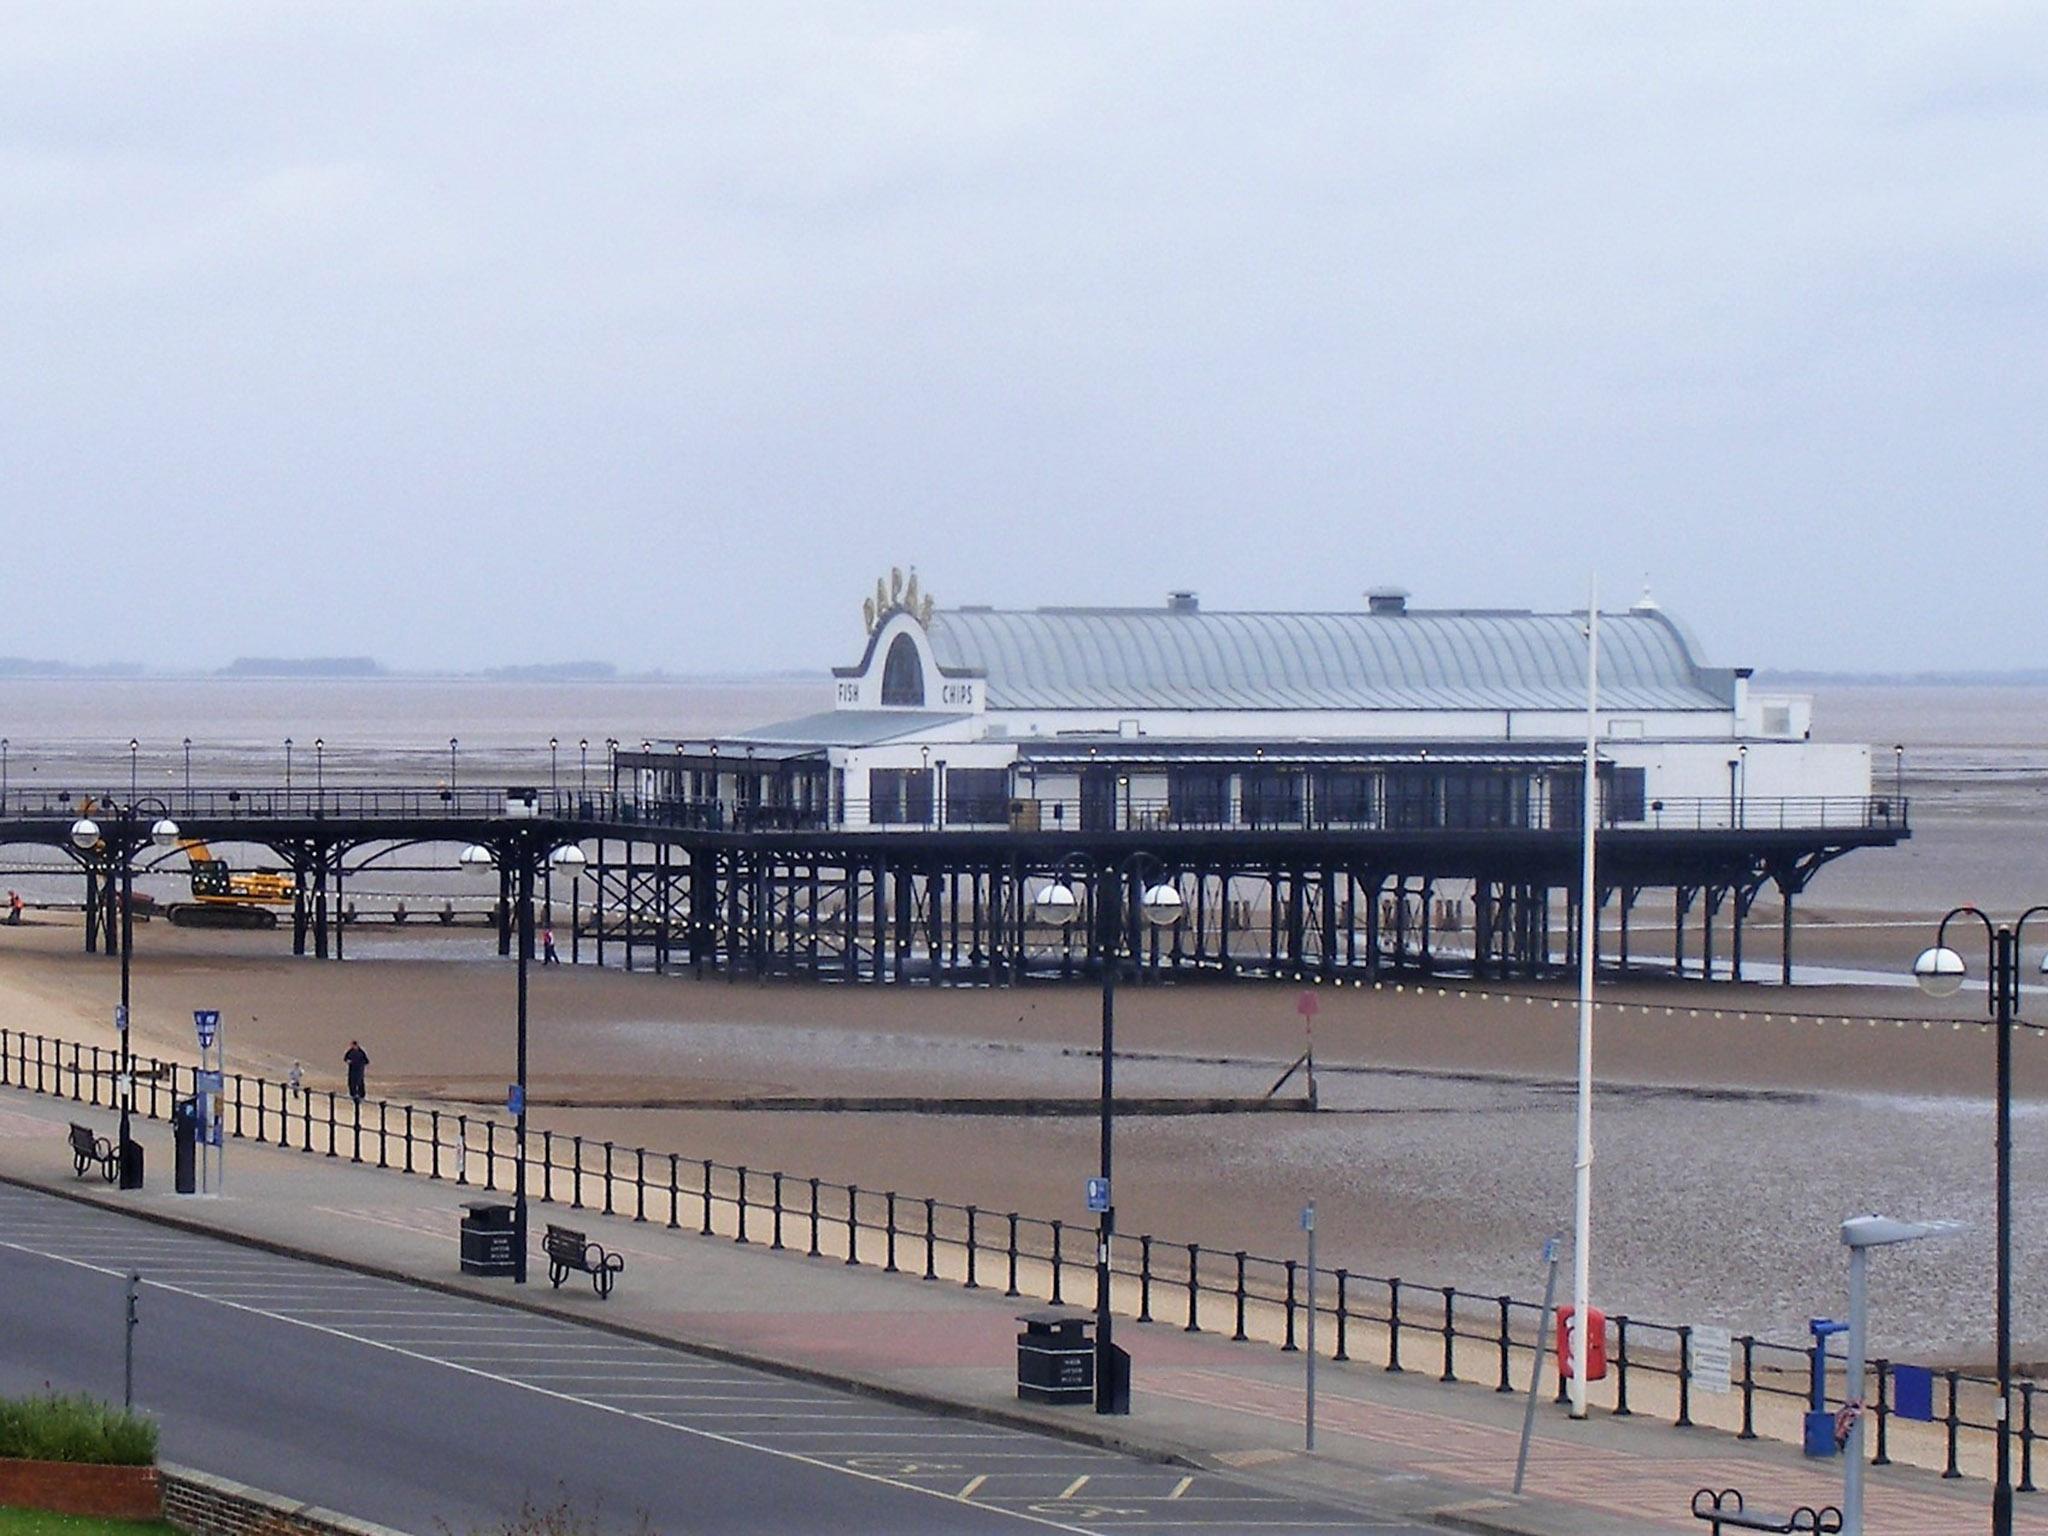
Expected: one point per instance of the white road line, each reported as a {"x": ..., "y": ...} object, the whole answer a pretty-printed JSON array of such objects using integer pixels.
[
  {"x": 1181, "y": 1487},
  {"x": 1078, "y": 1483},
  {"x": 799, "y": 1457},
  {"x": 972, "y": 1484}
]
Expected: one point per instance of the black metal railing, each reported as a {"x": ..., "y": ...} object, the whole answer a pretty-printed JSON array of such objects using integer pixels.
[
  {"x": 1699, "y": 813},
  {"x": 1402, "y": 1324}
]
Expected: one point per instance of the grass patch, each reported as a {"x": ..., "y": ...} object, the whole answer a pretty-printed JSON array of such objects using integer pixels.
[
  {"x": 36, "y": 1522},
  {"x": 55, "y": 1427}
]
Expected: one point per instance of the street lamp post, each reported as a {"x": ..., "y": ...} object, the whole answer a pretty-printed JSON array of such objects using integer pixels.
[
  {"x": 554, "y": 780},
  {"x": 188, "y": 773},
  {"x": 134, "y": 747},
  {"x": 526, "y": 849},
  {"x": 287, "y": 764},
  {"x": 87, "y": 838},
  {"x": 320, "y": 765},
  {"x": 1860, "y": 1234},
  {"x": 1161, "y": 906},
  {"x": 583, "y": 766},
  {"x": 451, "y": 764},
  {"x": 1940, "y": 972}
]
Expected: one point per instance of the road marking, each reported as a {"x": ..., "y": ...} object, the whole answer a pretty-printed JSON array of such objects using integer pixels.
[
  {"x": 1181, "y": 1487},
  {"x": 800, "y": 1457},
  {"x": 1075, "y": 1486},
  {"x": 972, "y": 1484}
]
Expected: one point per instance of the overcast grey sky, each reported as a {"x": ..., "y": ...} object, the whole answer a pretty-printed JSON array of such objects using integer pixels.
[{"x": 465, "y": 333}]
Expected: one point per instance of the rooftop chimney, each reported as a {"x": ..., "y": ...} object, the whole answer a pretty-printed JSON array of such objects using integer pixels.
[
  {"x": 1183, "y": 602},
  {"x": 1387, "y": 600}
]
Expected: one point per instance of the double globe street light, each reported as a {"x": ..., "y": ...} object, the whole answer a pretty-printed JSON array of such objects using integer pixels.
[
  {"x": 1161, "y": 906},
  {"x": 88, "y": 839},
  {"x": 1941, "y": 972},
  {"x": 567, "y": 860}
]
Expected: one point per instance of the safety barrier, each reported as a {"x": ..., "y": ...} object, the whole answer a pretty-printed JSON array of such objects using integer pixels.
[{"x": 1403, "y": 1324}]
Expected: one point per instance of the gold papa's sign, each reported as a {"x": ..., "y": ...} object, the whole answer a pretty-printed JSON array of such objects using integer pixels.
[{"x": 895, "y": 596}]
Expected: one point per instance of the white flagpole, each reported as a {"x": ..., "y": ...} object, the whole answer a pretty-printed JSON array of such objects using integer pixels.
[{"x": 1589, "y": 918}]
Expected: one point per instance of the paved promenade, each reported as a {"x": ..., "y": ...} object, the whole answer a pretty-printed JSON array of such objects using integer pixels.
[{"x": 1437, "y": 1453}]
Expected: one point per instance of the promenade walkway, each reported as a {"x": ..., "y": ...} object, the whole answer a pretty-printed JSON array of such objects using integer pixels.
[{"x": 1442, "y": 1453}]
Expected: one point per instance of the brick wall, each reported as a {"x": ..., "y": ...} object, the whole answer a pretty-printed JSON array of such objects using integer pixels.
[{"x": 205, "y": 1505}]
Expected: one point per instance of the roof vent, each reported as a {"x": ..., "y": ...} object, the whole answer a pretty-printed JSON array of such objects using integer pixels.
[
  {"x": 1183, "y": 602},
  {"x": 1387, "y": 600}
]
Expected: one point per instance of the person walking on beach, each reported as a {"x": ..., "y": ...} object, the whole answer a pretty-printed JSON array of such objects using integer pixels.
[
  {"x": 357, "y": 1060},
  {"x": 297, "y": 1077},
  {"x": 547, "y": 948}
]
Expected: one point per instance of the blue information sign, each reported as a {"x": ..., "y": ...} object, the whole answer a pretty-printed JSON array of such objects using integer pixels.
[
  {"x": 1098, "y": 1195},
  {"x": 209, "y": 1082},
  {"x": 206, "y": 1021},
  {"x": 515, "y": 1100}
]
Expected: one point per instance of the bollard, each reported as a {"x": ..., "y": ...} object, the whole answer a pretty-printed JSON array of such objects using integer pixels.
[
  {"x": 889, "y": 1226},
  {"x": 1194, "y": 1288},
  {"x": 608, "y": 1178},
  {"x": 675, "y": 1194},
  {"x": 1011, "y": 1289},
  {"x": 814, "y": 1250},
  {"x": 1450, "y": 1335},
  {"x": 408, "y": 1138},
  {"x": 1058, "y": 1263},
  {"x": 1884, "y": 1371},
  {"x": 931, "y": 1239},
  {"x": 1145, "y": 1277},
  {"x": 1748, "y": 1431},
  {"x": 490, "y": 1154},
  {"x": 547, "y": 1166},
  {"x": 330, "y": 1122},
  {"x": 640, "y": 1182},
  {"x": 1505, "y": 1385},
  {"x": 1288, "y": 1346},
  {"x": 1684, "y": 1420},
  {"x": 740, "y": 1205},
  {"x": 853, "y": 1224},
  {"x": 1954, "y": 1425},
  {"x": 1342, "y": 1352},
  {"x": 1621, "y": 1407},
  {"x": 1239, "y": 1336},
  {"x": 972, "y": 1283},
  {"x": 576, "y": 1176},
  {"x": 775, "y": 1193},
  {"x": 707, "y": 1199},
  {"x": 2026, "y": 1483},
  {"x": 1394, "y": 1324}
]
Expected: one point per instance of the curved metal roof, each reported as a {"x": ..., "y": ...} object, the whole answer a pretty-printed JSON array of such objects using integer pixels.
[{"x": 1156, "y": 658}]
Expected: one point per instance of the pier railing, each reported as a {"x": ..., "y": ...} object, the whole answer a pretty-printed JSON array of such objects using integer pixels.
[
  {"x": 1396, "y": 1323},
  {"x": 429, "y": 803}
]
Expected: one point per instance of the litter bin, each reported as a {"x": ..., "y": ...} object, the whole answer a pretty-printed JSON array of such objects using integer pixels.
[
  {"x": 185, "y": 1146},
  {"x": 1056, "y": 1358},
  {"x": 131, "y": 1164},
  {"x": 487, "y": 1238}
]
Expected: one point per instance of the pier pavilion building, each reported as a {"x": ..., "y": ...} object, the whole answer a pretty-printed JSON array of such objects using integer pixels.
[{"x": 1342, "y": 786}]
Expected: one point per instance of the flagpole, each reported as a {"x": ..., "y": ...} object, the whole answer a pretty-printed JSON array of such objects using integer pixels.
[{"x": 1589, "y": 919}]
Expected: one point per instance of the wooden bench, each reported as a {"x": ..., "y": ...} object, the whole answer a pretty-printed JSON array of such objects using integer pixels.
[
  {"x": 571, "y": 1251},
  {"x": 1724, "y": 1511},
  {"x": 87, "y": 1149}
]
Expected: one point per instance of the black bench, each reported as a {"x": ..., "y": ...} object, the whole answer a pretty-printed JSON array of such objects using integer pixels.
[
  {"x": 87, "y": 1149},
  {"x": 1724, "y": 1511},
  {"x": 569, "y": 1251}
]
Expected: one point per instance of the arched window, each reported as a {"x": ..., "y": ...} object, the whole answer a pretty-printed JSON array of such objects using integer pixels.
[{"x": 903, "y": 674}]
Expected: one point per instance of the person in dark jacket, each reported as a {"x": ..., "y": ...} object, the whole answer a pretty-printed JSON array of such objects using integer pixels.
[{"x": 357, "y": 1061}]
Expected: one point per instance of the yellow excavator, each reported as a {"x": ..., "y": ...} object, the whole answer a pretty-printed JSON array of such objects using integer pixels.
[{"x": 229, "y": 898}]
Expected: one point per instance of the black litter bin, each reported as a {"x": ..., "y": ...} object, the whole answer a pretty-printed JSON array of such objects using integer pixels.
[
  {"x": 185, "y": 1146},
  {"x": 1056, "y": 1358},
  {"x": 487, "y": 1238},
  {"x": 131, "y": 1164}
]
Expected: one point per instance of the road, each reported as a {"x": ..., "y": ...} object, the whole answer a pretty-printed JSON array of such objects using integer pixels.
[{"x": 435, "y": 1413}]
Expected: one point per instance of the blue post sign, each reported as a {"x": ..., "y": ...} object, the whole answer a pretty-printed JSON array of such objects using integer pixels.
[
  {"x": 206, "y": 1021},
  {"x": 1913, "y": 1392},
  {"x": 515, "y": 1100},
  {"x": 1098, "y": 1195}
]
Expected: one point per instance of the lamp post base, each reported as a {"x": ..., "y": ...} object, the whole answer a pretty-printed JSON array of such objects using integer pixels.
[{"x": 131, "y": 1165}]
